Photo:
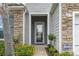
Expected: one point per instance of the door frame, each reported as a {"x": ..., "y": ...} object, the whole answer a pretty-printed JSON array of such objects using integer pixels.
[
  {"x": 35, "y": 33},
  {"x": 39, "y": 14},
  {"x": 73, "y": 27}
]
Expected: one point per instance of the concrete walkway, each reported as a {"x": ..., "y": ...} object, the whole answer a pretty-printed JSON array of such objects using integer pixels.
[{"x": 40, "y": 50}]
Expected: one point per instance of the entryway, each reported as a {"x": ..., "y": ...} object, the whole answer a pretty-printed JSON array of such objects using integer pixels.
[
  {"x": 39, "y": 30},
  {"x": 40, "y": 50}
]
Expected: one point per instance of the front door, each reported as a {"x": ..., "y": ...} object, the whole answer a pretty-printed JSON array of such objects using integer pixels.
[{"x": 39, "y": 32}]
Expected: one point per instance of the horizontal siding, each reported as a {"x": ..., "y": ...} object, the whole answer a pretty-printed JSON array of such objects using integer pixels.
[{"x": 54, "y": 26}]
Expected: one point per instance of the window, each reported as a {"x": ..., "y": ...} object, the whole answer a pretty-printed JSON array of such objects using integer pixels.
[
  {"x": 1, "y": 28},
  {"x": 11, "y": 23}
]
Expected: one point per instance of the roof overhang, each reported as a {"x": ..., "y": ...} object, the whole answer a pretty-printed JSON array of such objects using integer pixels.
[
  {"x": 16, "y": 7},
  {"x": 54, "y": 5}
]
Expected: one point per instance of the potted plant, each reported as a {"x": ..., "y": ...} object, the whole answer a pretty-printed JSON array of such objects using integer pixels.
[{"x": 51, "y": 38}]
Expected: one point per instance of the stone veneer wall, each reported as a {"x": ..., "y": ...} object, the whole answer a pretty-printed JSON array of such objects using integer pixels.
[
  {"x": 18, "y": 23},
  {"x": 67, "y": 11},
  {"x": 0, "y": 10}
]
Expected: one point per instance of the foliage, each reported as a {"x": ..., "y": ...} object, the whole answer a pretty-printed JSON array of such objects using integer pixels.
[
  {"x": 51, "y": 37},
  {"x": 66, "y": 53},
  {"x": 52, "y": 50},
  {"x": 24, "y": 50},
  {"x": 16, "y": 39},
  {"x": 49, "y": 45},
  {"x": 2, "y": 49}
]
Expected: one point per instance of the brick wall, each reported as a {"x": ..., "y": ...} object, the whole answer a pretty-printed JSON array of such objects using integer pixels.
[{"x": 67, "y": 10}]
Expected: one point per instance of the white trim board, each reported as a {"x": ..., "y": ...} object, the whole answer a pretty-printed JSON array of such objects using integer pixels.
[
  {"x": 60, "y": 28},
  {"x": 39, "y": 14},
  {"x": 23, "y": 27},
  {"x": 73, "y": 29}
]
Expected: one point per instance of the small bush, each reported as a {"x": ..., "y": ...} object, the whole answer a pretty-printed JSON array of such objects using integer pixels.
[
  {"x": 24, "y": 50},
  {"x": 66, "y": 53},
  {"x": 49, "y": 45},
  {"x": 2, "y": 48},
  {"x": 16, "y": 39},
  {"x": 51, "y": 37},
  {"x": 56, "y": 54},
  {"x": 52, "y": 51}
]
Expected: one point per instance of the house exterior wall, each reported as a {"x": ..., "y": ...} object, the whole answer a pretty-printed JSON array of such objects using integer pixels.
[
  {"x": 54, "y": 26},
  {"x": 17, "y": 18},
  {"x": 17, "y": 23},
  {"x": 1, "y": 10},
  {"x": 67, "y": 18}
]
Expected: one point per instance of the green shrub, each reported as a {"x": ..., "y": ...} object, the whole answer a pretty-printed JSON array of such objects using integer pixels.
[
  {"x": 56, "y": 54},
  {"x": 49, "y": 45},
  {"x": 2, "y": 48},
  {"x": 51, "y": 49},
  {"x": 66, "y": 53},
  {"x": 51, "y": 37},
  {"x": 24, "y": 50},
  {"x": 16, "y": 39}
]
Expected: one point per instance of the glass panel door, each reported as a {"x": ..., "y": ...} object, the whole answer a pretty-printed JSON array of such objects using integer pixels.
[{"x": 39, "y": 32}]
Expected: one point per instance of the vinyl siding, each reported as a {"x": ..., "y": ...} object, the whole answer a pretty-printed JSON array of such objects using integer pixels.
[{"x": 54, "y": 26}]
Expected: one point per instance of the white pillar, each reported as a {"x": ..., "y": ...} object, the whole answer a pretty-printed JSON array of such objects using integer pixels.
[
  {"x": 29, "y": 29},
  {"x": 48, "y": 27}
]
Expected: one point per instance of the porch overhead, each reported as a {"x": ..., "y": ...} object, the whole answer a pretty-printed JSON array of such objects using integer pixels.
[{"x": 38, "y": 7}]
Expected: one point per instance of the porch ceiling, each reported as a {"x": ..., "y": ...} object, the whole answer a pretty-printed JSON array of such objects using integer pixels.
[{"x": 38, "y": 7}]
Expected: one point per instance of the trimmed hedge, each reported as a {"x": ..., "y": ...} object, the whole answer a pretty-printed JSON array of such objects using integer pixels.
[
  {"x": 20, "y": 50},
  {"x": 24, "y": 50},
  {"x": 66, "y": 53},
  {"x": 2, "y": 48}
]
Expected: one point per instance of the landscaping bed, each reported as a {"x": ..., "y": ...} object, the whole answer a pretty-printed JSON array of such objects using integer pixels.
[
  {"x": 24, "y": 50},
  {"x": 2, "y": 48},
  {"x": 19, "y": 49},
  {"x": 53, "y": 52}
]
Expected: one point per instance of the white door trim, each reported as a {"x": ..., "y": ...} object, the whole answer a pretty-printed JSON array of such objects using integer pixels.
[
  {"x": 29, "y": 29},
  {"x": 23, "y": 28},
  {"x": 60, "y": 28},
  {"x": 43, "y": 32},
  {"x": 74, "y": 13},
  {"x": 48, "y": 27},
  {"x": 39, "y": 14}
]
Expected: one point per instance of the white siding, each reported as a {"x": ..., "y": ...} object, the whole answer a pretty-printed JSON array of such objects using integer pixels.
[{"x": 54, "y": 26}]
